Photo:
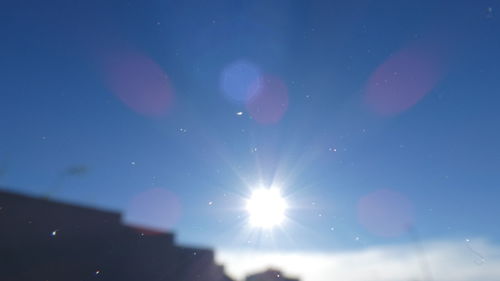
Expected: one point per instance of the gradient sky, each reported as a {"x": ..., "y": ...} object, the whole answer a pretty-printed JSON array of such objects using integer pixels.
[{"x": 351, "y": 107}]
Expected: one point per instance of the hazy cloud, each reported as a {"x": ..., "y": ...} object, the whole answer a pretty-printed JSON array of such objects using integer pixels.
[{"x": 467, "y": 260}]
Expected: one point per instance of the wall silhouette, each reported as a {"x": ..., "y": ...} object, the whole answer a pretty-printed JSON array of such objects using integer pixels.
[{"x": 46, "y": 240}]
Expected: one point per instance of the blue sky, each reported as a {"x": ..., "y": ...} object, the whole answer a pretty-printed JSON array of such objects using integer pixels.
[{"x": 328, "y": 129}]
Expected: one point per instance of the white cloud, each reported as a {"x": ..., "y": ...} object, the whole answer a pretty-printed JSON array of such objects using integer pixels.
[{"x": 472, "y": 260}]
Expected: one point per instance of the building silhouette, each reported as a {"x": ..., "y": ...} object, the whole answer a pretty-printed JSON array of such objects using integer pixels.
[
  {"x": 44, "y": 240},
  {"x": 269, "y": 275}
]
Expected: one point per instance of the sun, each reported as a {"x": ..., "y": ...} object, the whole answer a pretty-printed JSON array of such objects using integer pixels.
[{"x": 266, "y": 208}]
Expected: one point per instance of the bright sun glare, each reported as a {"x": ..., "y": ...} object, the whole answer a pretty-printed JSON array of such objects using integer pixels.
[{"x": 266, "y": 208}]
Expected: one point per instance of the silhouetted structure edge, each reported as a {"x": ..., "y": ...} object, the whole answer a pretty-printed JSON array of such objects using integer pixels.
[{"x": 48, "y": 240}]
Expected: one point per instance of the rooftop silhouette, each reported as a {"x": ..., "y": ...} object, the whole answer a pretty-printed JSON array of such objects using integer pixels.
[
  {"x": 48, "y": 240},
  {"x": 269, "y": 275}
]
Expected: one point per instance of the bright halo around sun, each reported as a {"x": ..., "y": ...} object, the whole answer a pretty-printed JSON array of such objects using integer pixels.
[{"x": 266, "y": 208}]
